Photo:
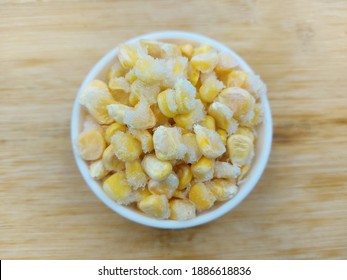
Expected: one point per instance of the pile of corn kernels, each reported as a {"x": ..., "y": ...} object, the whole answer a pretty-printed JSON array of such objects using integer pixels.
[{"x": 172, "y": 130}]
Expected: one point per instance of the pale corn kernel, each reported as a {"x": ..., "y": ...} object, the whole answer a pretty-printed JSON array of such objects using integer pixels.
[
  {"x": 125, "y": 146},
  {"x": 244, "y": 171},
  {"x": 202, "y": 197},
  {"x": 117, "y": 112},
  {"x": 188, "y": 120},
  {"x": 140, "y": 117},
  {"x": 225, "y": 63},
  {"x": 257, "y": 118},
  {"x": 167, "y": 103},
  {"x": 141, "y": 194},
  {"x": 91, "y": 144},
  {"x": 131, "y": 76},
  {"x": 209, "y": 142},
  {"x": 222, "y": 189},
  {"x": 210, "y": 88},
  {"x": 110, "y": 161},
  {"x": 226, "y": 170},
  {"x": 168, "y": 143},
  {"x": 165, "y": 187},
  {"x": 160, "y": 49},
  {"x": 178, "y": 67},
  {"x": 144, "y": 137},
  {"x": 135, "y": 175},
  {"x": 116, "y": 70},
  {"x": 119, "y": 84},
  {"x": 183, "y": 194},
  {"x": 255, "y": 86},
  {"x": 204, "y": 48},
  {"x": 236, "y": 78},
  {"x": 161, "y": 118},
  {"x": 205, "y": 62},
  {"x": 97, "y": 170},
  {"x": 145, "y": 91},
  {"x": 156, "y": 206},
  {"x": 193, "y": 153},
  {"x": 95, "y": 98},
  {"x": 128, "y": 55},
  {"x": 223, "y": 116},
  {"x": 193, "y": 74},
  {"x": 187, "y": 50},
  {"x": 209, "y": 122},
  {"x": 182, "y": 210},
  {"x": 117, "y": 188},
  {"x": 112, "y": 129},
  {"x": 90, "y": 124},
  {"x": 151, "y": 70},
  {"x": 223, "y": 135},
  {"x": 205, "y": 76},
  {"x": 133, "y": 100},
  {"x": 240, "y": 149},
  {"x": 246, "y": 131},
  {"x": 203, "y": 169},
  {"x": 185, "y": 94},
  {"x": 155, "y": 168},
  {"x": 185, "y": 176}
]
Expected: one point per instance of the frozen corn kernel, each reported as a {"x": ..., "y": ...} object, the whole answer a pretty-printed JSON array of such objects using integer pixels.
[
  {"x": 117, "y": 187},
  {"x": 140, "y": 117},
  {"x": 166, "y": 187},
  {"x": 205, "y": 62},
  {"x": 131, "y": 76},
  {"x": 117, "y": 112},
  {"x": 185, "y": 94},
  {"x": 145, "y": 91},
  {"x": 161, "y": 50},
  {"x": 193, "y": 153},
  {"x": 133, "y": 100},
  {"x": 156, "y": 206},
  {"x": 193, "y": 74},
  {"x": 178, "y": 67},
  {"x": 240, "y": 149},
  {"x": 209, "y": 122},
  {"x": 182, "y": 210},
  {"x": 203, "y": 169},
  {"x": 116, "y": 70},
  {"x": 112, "y": 129},
  {"x": 246, "y": 131},
  {"x": 155, "y": 168},
  {"x": 222, "y": 189},
  {"x": 141, "y": 193},
  {"x": 144, "y": 137},
  {"x": 135, "y": 175},
  {"x": 167, "y": 103},
  {"x": 226, "y": 170},
  {"x": 125, "y": 146},
  {"x": 185, "y": 176},
  {"x": 223, "y": 116},
  {"x": 91, "y": 144},
  {"x": 110, "y": 161},
  {"x": 225, "y": 63},
  {"x": 97, "y": 170},
  {"x": 201, "y": 196},
  {"x": 187, "y": 50},
  {"x": 210, "y": 88},
  {"x": 236, "y": 78},
  {"x": 244, "y": 171},
  {"x": 119, "y": 84},
  {"x": 255, "y": 86},
  {"x": 183, "y": 194},
  {"x": 151, "y": 70},
  {"x": 128, "y": 55},
  {"x": 204, "y": 48},
  {"x": 209, "y": 142},
  {"x": 257, "y": 118},
  {"x": 168, "y": 143},
  {"x": 188, "y": 120},
  {"x": 223, "y": 135},
  {"x": 95, "y": 98},
  {"x": 160, "y": 117}
]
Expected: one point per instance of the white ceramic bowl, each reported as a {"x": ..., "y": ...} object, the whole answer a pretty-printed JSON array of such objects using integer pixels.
[{"x": 262, "y": 149}]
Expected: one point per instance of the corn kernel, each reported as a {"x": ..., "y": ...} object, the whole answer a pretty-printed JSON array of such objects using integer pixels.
[
  {"x": 185, "y": 176},
  {"x": 117, "y": 112},
  {"x": 185, "y": 94},
  {"x": 141, "y": 193},
  {"x": 223, "y": 116},
  {"x": 161, "y": 118},
  {"x": 223, "y": 135},
  {"x": 225, "y": 63},
  {"x": 183, "y": 194},
  {"x": 257, "y": 118},
  {"x": 140, "y": 117},
  {"x": 244, "y": 171},
  {"x": 135, "y": 175},
  {"x": 187, "y": 50},
  {"x": 168, "y": 143},
  {"x": 133, "y": 100},
  {"x": 150, "y": 70},
  {"x": 201, "y": 196},
  {"x": 188, "y": 120},
  {"x": 240, "y": 149},
  {"x": 91, "y": 144},
  {"x": 193, "y": 74},
  {"x": 205, "y": 62},
  {"x": 116, "y": 70},
  {"x": 209, "y": 142},
  {"x": 246, "y": 131},
  {"x": 110, "y": 161},
  {"x": 129, "y": 54},
  {"x": 155, "y": 168},
  {"x": 182, "y": 210},
  {"x": 209, "y": 122},
  {"x": 203, "y": 169},
  {"x": 255, "y": 86},
  {"x": 167, "y": 103},
  {"x": 193, "y": 153},
  {"x": 226, "y": 170},
  {"x": 112, "y": 129},
  {"x": 144, "y": 137},
  {"x": 166, "y": 187},
  {"x": 236, "y": 78},
  {"x": 125, "y": 146},
  {"x": 222, "y": 189},
  {"x": 97, "y": 170},
  {"x": 179, "y": 67},
  {"x": 210, "y": 88},
  {"x": 156, "y": 206},
  {"x": 131, "y": 76},
  {"x": 119, "y": 84},
  {"x": 144, "y": 91},
  {"x": 160, "y": 49},
  {"x": 202, "y": 49},
  {"x": 117, "y": 188}
]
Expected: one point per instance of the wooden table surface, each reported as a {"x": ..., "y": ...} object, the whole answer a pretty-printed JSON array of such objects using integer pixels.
[{"x": 297, "y": 211}]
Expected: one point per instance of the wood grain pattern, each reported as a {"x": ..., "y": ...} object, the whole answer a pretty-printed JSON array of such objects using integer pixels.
[{"x": 298, "y": 209}]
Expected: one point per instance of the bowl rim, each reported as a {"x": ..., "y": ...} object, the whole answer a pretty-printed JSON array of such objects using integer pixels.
[{"x": 203, "y": 218}]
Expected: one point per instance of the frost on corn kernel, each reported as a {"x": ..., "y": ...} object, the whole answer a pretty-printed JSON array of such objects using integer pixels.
[
  {"x": 97, "y": 170},
  {"x": 156, "y": 206},
  {"x": 210, "y": 88},
  {"x": 196, "y": 115},
  {"x": 226, "y": 170},
  {"x": 185, "y": 94},
  {"x": 193, "y": 153},
  {"x": 151, "y": 70},
  {"x": 117, "y": 111},
  {"x": 128, "y": 54},
  {"x": 135, "y": 175},
  {"x": 144, "y": 137},
  {"x": 182, "y": 210},
  {"x": 165, "y": 187},
  {"x": 125, "y": 146},
  {"x": 140, "y": 117},
  {"x": 223, "y": 117},
  {"x": 148, "y": 92},
  {"x": 222, "y": 189}
]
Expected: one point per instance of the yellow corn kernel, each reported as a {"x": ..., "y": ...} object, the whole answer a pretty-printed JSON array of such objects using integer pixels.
[
  {"x": 110, "y": 161},
  {"x": 117, "y": 112},
  {"x": 223, "y": 135},
  {"x": 203, "y": 169},
  {"x": 202, "y": 49},
  {"x": 178, "y": 66},
  {"x": 129, "y": 54},
  {"x": 116, "y": 70},
  {"x": 166, "y": 187},
  {"x": 209, "y": 122},
  {"x": 244, "y": 171},
  {"x": 240, "y": 149},
  {"x": 185, "y": 176},
  {"x": 182, "y": 210},
  {"x": 223, "y": 116},
  {"x": 225, "y": 63},
  {"x": 91, "y": 144},
  {"x": 236, "y": 78},
  {"x": 168, "y": 143},
  {"x": 188, "y": 120},
  {"x": 222, "y": 189},
  {"x": 112, "y": 129},
  {"x": 187, "y": 50},
  {"x": 167, "y": 103},
  {"x": 226, "y": 170},
  {"x": 160, "y": 49},
  {"x": 125, "y": 146},
  {"x": 144, "y": 137},
  {"x": 183, "y": 194},
  {"x": 255, "y": 86},
  {"x": 201, "y": 196},
  {"x": 117, "y": 187},
  {"x": 155, "y": 168},
  {"x": 141, "y": 194},
  {"x": 160, "y": 117},
  {"x": 193, "y": 75},
  {"x": 131, "y": 76},
  {"x": 145, "y": 91},
  {"x": 185, "y": 94},
  {"x": 210, "y": 88},
  {"x": 133, "y": 100},
  {"x": 95, "y": 98},
  {"x": 205, "y": 62},
  {"x": 140, "y": 117},
  {"x": 135, "y": 175},
  {"x": 119, "y": 84},
  {"x": 209, "y": 142},
  {"x": 193, "y": 153},
  {"x": 97, "y": 170},
  {"x": 156, "y": 206},
  {"x": 150, "y": 70},
  {"x": 246, "y": 131}
]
